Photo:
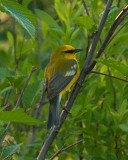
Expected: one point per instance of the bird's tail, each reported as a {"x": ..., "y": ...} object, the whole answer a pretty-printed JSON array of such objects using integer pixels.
[{"x": 54, "y": 116}]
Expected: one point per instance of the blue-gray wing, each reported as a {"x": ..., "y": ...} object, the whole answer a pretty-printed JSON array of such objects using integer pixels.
[{"x": 60, "y": 79}]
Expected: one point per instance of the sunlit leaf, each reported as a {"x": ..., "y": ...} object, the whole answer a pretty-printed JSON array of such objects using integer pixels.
[
  {"x": 84, "y": 21},
  {"x": 30, "y": 93},
  {"x": 22, "y": 15},
  {"x": 18, "y": 116},
  {"x": 49, "y": 20},
  {"x": 9, "y": 150},
  {"x": 124, "y": 127}
]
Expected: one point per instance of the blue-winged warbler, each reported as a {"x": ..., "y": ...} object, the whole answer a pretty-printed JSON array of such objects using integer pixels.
[{"x": 61, "y": 73}]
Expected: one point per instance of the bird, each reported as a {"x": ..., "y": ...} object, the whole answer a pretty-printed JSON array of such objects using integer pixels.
[{"x": 61, "y": 73}]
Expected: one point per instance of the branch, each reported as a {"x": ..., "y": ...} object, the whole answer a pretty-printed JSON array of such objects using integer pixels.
[
  {"x": 18, "y": 59},
  {"x": 118, "y": 31},
  {"x": 109, "y": 76},
  {"x": 25, "y": 86},
  {"x": 17, "y": 104},
  {"x": 89, "y": 36},
  {"x": 86, "y": 9},
  {"x": 78, "y": 85},
  {"x": 117, "y": 21},
  {"x": 63, "y": 149},
  {"x": 5, "y": 107},
  {"x": 38, "y": 35}
]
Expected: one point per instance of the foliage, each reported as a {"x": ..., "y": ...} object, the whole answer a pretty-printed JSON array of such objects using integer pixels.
[{"x": 99, "y": 114}]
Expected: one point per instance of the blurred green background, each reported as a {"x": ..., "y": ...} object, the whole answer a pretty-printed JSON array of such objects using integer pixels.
[{"x": 99, "y": 114}]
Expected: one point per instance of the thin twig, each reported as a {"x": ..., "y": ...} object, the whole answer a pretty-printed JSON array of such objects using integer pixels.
[
  {"x": 22, "y": 43},
  {"x": 14, "y": 41},
  {"x": 58, "y": 152},
  {"x": 26, "y": 84},
  {"x": 17, "y": 104},
  {"x": 5, "y": 99},
  {"x": 109, "y": 76},
  {"x": 116, "y": 147},
  {"x": 38, "y": 111},
  {"x": 5, "y": 107},
  {"x": 92, "y": 10},
  {"x": 86, "y": 9},
  {"x": 63, "y": 149},
  {"x": 38, "y": 35},
  {"x": 97, "y": 35},
  {"x": 118, "y": 3},
  {"x": 78, "y": 85},
  {"x": 114, "y": 91},
  {"x": 117, "y": 31},
  {"x": 88, "y": 44},
  {"x": 89, "y": 36}
]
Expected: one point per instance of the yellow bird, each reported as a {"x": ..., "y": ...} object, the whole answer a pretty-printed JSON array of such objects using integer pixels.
[{"x": 61, "y": 73}]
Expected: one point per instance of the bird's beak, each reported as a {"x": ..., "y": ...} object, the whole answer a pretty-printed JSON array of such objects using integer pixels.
[{"x": 78, "y": 50}]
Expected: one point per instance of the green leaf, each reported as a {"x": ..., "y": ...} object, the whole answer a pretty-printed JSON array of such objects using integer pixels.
[
  {"x": 120, "y": 67},
  {"x": 62, "y": 11},
  {"x": 123, "y": 107},
  {"x": 10, "y": 38},
  {"x": 19, "y": 81},
  {"x": 75, "y": 33},
  {"x": 112, "y": 14},
  {"x": 84, "y": 21},
  {"x": 6, "y": 89},
  {"x": 22, "y": 15},
  {"x": 26, "y": 2},
  {"x": 10, "y": 150},
  {"x": 18, "y": 116},
  {"x": 3, "y": 73},
  {"x": 30, "y": 93},
  {"x": 2, "y": 128},
  {"x": 124, "y": 127},
  {"x": 49, "y": 20}
]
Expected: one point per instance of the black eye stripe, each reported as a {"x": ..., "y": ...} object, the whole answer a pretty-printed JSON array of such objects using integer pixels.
[
  {"x": 73, "y": 51},
  {"x": 69, "y": 51}
]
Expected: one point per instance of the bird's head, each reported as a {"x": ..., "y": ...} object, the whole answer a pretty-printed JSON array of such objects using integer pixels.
[{"x": 66, "y": 51}]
